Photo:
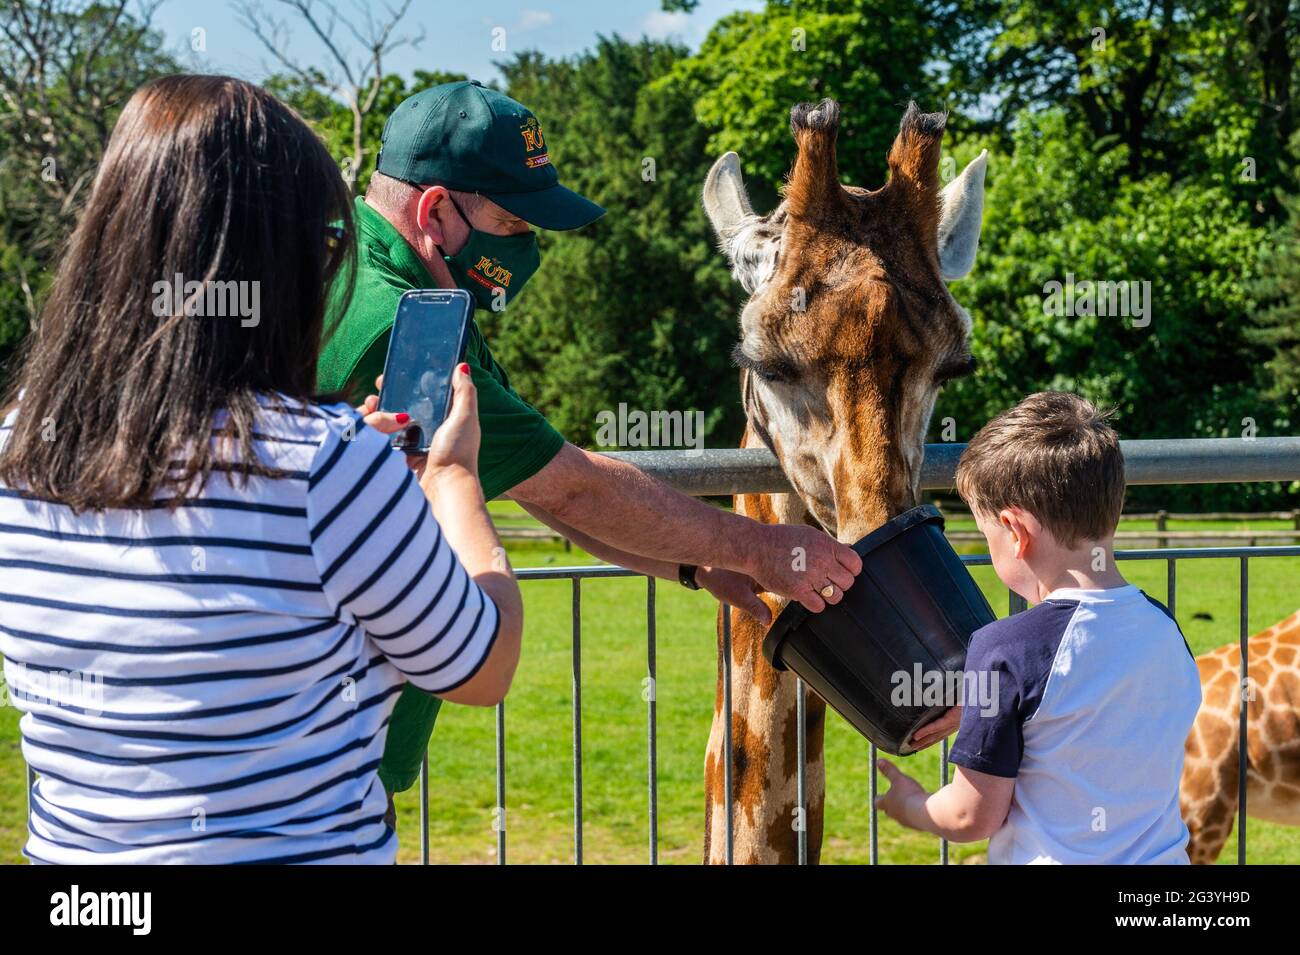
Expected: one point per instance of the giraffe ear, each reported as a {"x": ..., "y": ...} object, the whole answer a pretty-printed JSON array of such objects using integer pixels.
[
  {"x": 960, "y": 217},
  {"x": 751, "y": 252},
  {"x": 725, "y": 201}
]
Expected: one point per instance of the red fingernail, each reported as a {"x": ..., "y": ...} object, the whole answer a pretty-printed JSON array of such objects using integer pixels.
[
  {"x": 402, "y": 417},
  {"x": 463, "y": 368}
]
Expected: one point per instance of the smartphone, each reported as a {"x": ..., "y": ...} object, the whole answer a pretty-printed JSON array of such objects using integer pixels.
[{"x": 427, "y": 343}]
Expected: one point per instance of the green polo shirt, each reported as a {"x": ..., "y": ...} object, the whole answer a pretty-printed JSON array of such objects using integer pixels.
[{"x": 517, "y": 441}]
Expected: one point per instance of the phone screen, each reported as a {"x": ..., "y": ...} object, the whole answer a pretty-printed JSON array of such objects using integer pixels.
[{"x": 427, "y": 343}]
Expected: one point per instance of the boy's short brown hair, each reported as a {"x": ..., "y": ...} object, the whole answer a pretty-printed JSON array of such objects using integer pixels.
[{"x": 1055, "y": 456}]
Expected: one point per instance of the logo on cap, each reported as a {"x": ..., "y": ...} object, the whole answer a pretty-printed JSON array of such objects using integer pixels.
[{"x": 531, "y": 130}]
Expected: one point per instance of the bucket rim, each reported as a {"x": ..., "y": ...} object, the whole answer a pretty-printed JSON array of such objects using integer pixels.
[{"x": 795, "y": 613}]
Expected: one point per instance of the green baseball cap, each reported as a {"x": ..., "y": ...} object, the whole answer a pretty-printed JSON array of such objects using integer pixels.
[{"x": 473, "y": 139}]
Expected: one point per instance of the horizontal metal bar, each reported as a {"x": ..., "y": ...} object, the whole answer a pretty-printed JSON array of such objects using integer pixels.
[
  {"x": 1163, "y": 553},
  {"x": 977, "y": 560},
  {"x": 575, "y": 573},
  {"x": 1172, "y": 553},
  {"x": 722, "y": 471}
]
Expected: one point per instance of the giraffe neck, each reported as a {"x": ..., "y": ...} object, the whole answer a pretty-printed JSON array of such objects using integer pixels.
[{"x": 764, "y": 747}]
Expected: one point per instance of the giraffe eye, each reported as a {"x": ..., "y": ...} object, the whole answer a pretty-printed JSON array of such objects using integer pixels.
[
  {"x": 770, "y": 370},
  {"x": 958, "y": 368}
]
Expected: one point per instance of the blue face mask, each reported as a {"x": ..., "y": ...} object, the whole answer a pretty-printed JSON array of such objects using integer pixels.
[{"x": 493, "y": 268}]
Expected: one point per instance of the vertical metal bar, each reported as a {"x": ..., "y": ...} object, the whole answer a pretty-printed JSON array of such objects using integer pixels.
[
  {"x": 875, "y": 820},
  {"x": 577, "y": 721},
  {"x": 726, "y": 734},
  {"x": 801, "y": 767},
  {"x": 31, "y": 784},
  {"x": 1171, "y": 586},
  {"x": 1015, "y": 602},
  {"x": 424, "y": 808},
  {"x": 1242, "y": 753},
  {"x": 653, "y": 741},
  {"x": 943, "y": 781},
  {"x": 501, "y": 783}
]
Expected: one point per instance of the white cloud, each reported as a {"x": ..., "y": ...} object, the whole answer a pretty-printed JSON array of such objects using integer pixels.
[
  {"x": 663, "y": 25},
  {"x": 534, "y": 20}
]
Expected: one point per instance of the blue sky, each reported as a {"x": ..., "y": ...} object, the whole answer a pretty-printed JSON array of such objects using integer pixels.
[{"x": 458, "y": 36}]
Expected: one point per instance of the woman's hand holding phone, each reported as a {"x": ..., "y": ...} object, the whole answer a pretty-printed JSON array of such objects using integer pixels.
[{"x": 455, "y": 444}]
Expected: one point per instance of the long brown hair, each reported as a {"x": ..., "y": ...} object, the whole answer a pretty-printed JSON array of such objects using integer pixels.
[{"x": 207, "y": 180}]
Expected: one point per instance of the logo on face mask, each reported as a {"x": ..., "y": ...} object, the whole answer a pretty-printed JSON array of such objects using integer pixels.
[{"x": 492, "y": 271}]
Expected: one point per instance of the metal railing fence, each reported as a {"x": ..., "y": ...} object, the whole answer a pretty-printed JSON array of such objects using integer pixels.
[
  {"x": 724, "y": 472},
  {"x": 738, "y": 471},
  {"x": 1172, "y": 557}
]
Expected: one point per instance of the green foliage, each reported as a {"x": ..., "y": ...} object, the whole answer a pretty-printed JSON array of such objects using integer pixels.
[
  {"x": 754, "y": 67},
  {"x": 334, "y": 121},
  {"x": 638, "y": 307},
  {"x": 66, "y": 71},
  {"x": 1276, "y": 325},
  {"x": 1056, "y": 208}
]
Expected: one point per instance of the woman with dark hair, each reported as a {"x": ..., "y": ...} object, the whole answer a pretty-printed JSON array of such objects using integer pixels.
[{"x": 213, "y": 584}]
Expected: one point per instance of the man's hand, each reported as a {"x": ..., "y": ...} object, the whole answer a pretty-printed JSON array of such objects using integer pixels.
[
  {"x": 904, "y": 793},
  {"x": 935, "y": 730},
  {"x": 737, "y": 590},
  {"x": 799, "y": 562}
]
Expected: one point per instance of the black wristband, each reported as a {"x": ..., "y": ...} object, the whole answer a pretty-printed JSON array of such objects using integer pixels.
[{"x": 686, "y": 576}]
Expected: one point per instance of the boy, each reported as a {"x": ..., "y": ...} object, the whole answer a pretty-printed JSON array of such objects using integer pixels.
[{"x": 1076, "y": 757}]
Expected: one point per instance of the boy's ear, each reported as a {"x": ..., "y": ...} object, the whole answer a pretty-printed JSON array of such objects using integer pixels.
[{"x": 1022, "y": 526}]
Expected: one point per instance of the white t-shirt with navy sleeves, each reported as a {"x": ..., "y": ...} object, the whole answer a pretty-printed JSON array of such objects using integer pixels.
[
  {"x": 1096, "y": 693},
  {"x": 213, "y": 683}
]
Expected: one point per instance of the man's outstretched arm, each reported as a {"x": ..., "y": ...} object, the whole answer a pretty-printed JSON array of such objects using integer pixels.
[
  {"x": 728, "y": 586},
  {"x": 614, "y": 502}
]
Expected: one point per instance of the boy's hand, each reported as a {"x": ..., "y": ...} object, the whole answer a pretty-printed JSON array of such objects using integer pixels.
[
  {"x": 935, "y": 730},
  {"x": 903, "y": 789}
]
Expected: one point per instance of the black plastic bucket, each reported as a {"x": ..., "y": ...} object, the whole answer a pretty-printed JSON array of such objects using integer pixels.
[{"x": 913, "y": 604}]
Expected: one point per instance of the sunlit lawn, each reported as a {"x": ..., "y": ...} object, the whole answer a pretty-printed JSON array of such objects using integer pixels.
[{"x": 539, "y": 726}]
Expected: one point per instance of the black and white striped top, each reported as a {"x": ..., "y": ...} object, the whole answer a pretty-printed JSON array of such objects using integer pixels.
[{"x": 213, "y": 684}]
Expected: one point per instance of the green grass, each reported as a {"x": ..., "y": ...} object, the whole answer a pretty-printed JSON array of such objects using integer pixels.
[{"x": 539, "y": 767}]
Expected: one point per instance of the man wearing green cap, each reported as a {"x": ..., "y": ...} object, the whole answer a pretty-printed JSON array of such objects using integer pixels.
[{"x": 462, "y": 173}]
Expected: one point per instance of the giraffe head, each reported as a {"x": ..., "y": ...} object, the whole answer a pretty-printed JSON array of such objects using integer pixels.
[{"x": 850, "y": 329}]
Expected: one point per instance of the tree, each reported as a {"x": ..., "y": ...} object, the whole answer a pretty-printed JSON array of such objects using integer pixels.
[
  {"x": 67, "y": 67},
  {"x": 754, "y": 66},
  {"x": 1276, "y": 324},
  {"x": 637, "y": 308},
  {"x": 1060, "y": 211},
  {"x": 354, "y": 78},
  {"x": 336, "y": 122}
]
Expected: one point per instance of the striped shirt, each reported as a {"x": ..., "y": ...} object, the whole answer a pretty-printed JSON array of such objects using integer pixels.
[{"x": 213, "y": 683}]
